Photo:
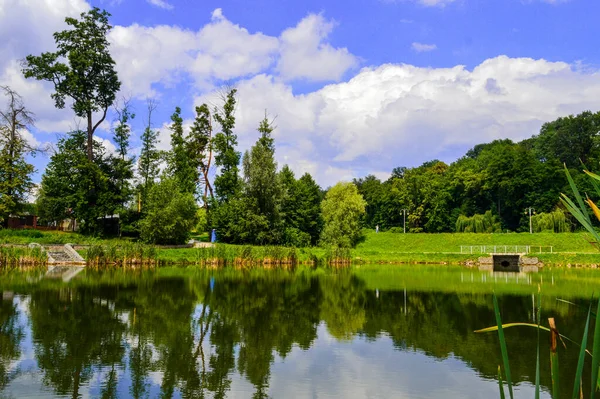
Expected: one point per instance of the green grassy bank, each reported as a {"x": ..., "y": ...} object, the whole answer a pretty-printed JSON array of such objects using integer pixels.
[
  {"x": 444, "y": 248},
  {"x": 568, "y": 248}
]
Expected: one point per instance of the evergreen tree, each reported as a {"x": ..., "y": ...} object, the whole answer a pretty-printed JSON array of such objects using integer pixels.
[
  {"x": 15, "y": 172},
  {"x": 227, "y": 184},
  {"x": 180, "y": 164},
  {"x": 309, "y": 208},
  {"x": 261, "y": 186}
]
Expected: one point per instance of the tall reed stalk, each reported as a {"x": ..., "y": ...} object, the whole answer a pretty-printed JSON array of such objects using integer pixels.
[{"x": 578, "y": 390}]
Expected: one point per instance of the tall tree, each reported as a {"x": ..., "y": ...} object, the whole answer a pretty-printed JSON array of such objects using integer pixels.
[
  {"x": 200, "y": 149},
  {"x": 150, "y": 156},
  {"x": 15, "y": 172},
  {"x": 309, "y": 210},
  {"x": 227, "y": 184},
  {"x": 122, "y": 163},
  {"x": 261, "y": 186},
  {"x": 82, "y": 69},
  {"x": 180, "y": 165}
]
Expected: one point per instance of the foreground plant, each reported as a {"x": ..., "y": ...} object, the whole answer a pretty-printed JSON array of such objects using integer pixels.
[{"x": 578, "y": 390}]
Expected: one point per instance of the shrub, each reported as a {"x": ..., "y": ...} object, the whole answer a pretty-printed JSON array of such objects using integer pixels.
[{"x": 170, "y": 215}]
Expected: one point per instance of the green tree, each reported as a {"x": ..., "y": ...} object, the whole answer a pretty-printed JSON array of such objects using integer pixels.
[
  {"x": 150, "y": 156},
  {"x": 309, "y": 207},
  {"x": 122, "y": 163},
  {"x": 170, "y": 214},
  {"x": 570, "y": 140},
  {"x": 82, "y": 69},
  {"x": 15, "y": 171},
  {"x": 342, "y": 209},
  {"x": 227, "y": 184},
  {"x": 180, "y": 165},
  {"x": 199, "y": 149},
  {"x": 261, "y": 186},
  {"x": 74, "y": 188}
]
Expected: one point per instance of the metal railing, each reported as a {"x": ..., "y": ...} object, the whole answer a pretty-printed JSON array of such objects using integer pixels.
[{"x": 506, "y": 249}]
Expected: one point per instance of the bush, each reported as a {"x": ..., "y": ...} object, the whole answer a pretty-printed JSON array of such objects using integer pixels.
[
  {"x": 342, "y": 209},
  {"x": 29, "y": 233},
  {"x": 294, "y": 237},
  {"x": 170, "y": 215}
]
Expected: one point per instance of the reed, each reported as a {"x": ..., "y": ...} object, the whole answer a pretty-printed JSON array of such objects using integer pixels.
[
  {"x": 23, "y": 256},
  {"x": 121, "y": 255},
  {"x": 578, "y": 389}
]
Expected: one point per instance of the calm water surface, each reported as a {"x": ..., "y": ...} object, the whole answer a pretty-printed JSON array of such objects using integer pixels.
[{"x": 369, "y": 332}]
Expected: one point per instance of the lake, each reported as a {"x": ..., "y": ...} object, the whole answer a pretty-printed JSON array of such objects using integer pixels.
[{"x": 365, "y": 332}]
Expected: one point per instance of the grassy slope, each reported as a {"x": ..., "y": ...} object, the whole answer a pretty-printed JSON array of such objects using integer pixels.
[{"x": 445, "y": 247}]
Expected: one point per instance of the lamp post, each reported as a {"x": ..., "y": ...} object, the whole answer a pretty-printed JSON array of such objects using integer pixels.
[
  {"x": 404, "y": 211},
  {"x": 530, "y": 210}
]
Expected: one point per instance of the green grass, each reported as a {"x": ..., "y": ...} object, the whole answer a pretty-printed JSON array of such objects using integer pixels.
[
  {"x": 444, "y": 248},
  {"x": 396, "y": 243},
  {"x": 28, "y": 236},
  {"x": 568, "y": 248}
]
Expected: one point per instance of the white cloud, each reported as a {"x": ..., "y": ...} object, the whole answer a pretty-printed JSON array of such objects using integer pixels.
[
  {"x": 222, "y": 50},
  {"x": 305, "y": 53},
  {"x": 26, "y": 27},
  {"x": 395, "y": 115},
  {"x": 433, "y": 3},
  {"x": 421, "y": 47},
  {"x": 166, "y": 54},
  {"x": 161, "y": 4}
]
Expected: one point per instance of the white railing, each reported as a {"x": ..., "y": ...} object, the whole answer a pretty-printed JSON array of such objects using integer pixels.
[{"x": 506, "y": 249}]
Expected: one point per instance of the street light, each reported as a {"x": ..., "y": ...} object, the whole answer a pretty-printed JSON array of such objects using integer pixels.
[
  {"x": 530, "y": 210},
  {"x": 405, "y": 212}
]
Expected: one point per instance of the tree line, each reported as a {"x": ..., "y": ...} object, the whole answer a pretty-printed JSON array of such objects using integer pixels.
[
  {"x": 492, "y": 187},
  {"x": 156, "y": 196},
  {"x": 161, "y": 196}
]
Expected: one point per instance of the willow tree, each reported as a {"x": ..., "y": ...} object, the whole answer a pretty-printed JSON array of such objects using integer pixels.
[{"x": 81, "y": 69}]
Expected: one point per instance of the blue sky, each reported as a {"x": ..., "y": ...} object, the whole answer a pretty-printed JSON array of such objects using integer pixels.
[{"x": 358, "y": 87}]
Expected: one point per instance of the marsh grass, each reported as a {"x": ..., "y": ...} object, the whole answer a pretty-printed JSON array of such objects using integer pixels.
[
  {"x": 121, "y": 255},
  {"x": 21, "y": 256}
]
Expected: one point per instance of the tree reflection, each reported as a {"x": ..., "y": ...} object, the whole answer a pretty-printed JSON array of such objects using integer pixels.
[
  {"x": 73, "y": 331},
  {"x": 11, "y": 334},
  {"x": 185, "y": 336}
]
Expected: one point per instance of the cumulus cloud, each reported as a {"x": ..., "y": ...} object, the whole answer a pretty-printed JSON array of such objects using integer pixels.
[
  {"x": 306, "y": 54},
  {"x": 395, "y": 115},
  {"x": 222, "y": 50},
  {"x": 161, "y": 4},
  {"x": 165, "y": 55},
  {"x": 421, "y": 47}
]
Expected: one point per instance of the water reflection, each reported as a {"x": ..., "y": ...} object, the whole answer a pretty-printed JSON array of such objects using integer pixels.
[{"x": 265, "y": 335}]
